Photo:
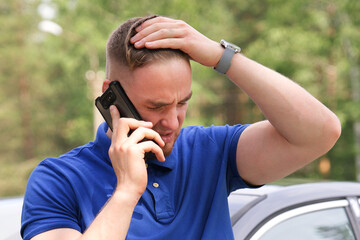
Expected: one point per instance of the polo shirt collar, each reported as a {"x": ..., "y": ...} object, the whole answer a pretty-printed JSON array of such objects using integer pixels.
[
  {"x": 103, "y": 142},
  {"x": 170, "y": 161}
]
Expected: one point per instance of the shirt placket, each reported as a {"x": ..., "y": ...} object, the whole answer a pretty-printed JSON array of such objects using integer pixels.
[{"x": 158, "y": 189}]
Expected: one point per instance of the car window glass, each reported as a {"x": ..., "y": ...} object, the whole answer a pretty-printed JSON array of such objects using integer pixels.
[{"x": 329, "y": 224}]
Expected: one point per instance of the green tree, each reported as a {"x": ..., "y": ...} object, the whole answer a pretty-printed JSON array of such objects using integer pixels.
[{"x": 46, "y": 96}]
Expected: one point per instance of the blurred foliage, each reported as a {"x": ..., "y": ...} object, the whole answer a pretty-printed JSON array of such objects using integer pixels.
[{"x": 46, "y": 100}]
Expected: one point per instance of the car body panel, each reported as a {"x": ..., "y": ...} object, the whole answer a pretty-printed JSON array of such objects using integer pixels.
[
  {"x": 10, "y": 218},
  {"x": 271, "y": 203}
]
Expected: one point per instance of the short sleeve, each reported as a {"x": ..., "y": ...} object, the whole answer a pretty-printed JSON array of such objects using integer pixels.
[
  {"x": 226, "y": 140},
  {"x": 48, "y": 202},
  {"x": 234, "y": 180}
]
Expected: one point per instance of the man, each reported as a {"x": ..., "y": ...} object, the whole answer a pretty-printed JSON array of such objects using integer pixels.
[{"x": 105, "y": 189}]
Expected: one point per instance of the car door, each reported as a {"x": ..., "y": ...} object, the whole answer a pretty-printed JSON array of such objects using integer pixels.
[{"x": 330, "y": 220}]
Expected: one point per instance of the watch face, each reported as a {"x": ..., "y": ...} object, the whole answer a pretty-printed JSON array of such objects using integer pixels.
[{"x": 226, "y": 44}]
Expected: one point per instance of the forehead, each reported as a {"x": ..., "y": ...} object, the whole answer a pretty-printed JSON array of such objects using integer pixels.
[
  {"x": 173, "y": 72},
  {"x": 160, "y": 80}
]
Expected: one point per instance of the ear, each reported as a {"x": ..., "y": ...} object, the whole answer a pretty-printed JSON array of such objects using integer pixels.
[{"x": 105, "y": 85}]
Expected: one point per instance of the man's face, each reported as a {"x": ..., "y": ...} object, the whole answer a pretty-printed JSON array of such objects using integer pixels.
[{"x": 160, "y": 92}]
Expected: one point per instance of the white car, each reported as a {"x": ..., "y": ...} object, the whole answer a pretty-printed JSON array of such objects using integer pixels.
[
  {"x": 10, "y": 218},
  {"x": 316, "y": 211}
]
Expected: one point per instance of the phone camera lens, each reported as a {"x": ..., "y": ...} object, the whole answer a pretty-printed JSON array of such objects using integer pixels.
[{"x": 108, "y": 99}]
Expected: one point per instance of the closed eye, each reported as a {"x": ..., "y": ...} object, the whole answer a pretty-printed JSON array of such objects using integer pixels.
[
  {"x": 158, "y": 106},
  {"x": 182, "y": 103}
]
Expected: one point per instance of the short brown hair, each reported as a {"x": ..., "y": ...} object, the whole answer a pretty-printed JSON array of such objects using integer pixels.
[{"x": 120, "y": 49}]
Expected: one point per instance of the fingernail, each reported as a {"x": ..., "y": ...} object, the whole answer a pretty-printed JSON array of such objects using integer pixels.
[
  {"x": 138, "y": 44},
  {"x": 149, "y": 44},
  {"x": 133, "y": 39}
]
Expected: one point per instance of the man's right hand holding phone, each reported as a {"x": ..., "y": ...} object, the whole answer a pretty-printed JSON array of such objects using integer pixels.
[{"x": 127, "y": 152}]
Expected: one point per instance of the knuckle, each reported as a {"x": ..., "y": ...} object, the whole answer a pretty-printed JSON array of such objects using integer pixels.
[
  {"x": 140, "y": 34},
  {"x": 162, "y": 18},
  {"x": 132, "y": 150},
  {"x": 141, "y": 128},
  {"x": 121, "y": 121},
  {"x": 164, "y": 31},
  {"x": 112, "y": 151},
  {"x": 116, "y": 149},
  {"x": 124, "y": 121},
  {"x": 181, "y": 23},
  {"x": 122, "y": 148}
]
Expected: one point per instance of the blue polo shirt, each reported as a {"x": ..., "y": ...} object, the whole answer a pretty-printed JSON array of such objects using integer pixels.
[{"x": 186, "y": 196}]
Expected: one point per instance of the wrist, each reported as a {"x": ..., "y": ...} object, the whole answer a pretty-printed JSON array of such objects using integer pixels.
[
  {"x": 127, "y": 197},
  {"x": 225, "y": 61},
  {"x": 218, "y": 55}
]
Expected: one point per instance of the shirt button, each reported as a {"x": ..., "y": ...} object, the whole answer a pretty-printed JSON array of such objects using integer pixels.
[{"x": 155, "y": 185}]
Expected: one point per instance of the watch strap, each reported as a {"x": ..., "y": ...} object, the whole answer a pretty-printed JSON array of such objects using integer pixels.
[{"x": 225, "y": 61}]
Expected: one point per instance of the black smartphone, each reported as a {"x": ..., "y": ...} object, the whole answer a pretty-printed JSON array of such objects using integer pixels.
[{"x": 115, "y": 95}]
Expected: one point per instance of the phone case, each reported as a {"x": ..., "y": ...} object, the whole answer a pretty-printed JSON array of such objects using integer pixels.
[{"x": 115, "y": 95}]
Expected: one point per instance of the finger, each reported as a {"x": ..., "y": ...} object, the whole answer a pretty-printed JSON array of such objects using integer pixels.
[
  {"x": 152, "y": 21},
  {"x": 150, "y": 146},
  {"x": 122, "y": 126},
  {"x": 160, "y": 30},
  {"x": 170, "y": 35},
  {"x": 115, "y": 116},
  {"x": 134, "y": 123},
  {"x": 125, "y": 124},
  {"x": 146, "y": 30},
  {"x": 166, "y": 43},
  {"x": 142, "y": 133}
]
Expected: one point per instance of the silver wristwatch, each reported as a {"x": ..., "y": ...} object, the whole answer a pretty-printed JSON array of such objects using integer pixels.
[{"x": 225, "y": 60}]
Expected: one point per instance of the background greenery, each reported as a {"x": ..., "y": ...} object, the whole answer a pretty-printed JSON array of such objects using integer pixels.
[{"x": 47, "y": 102}]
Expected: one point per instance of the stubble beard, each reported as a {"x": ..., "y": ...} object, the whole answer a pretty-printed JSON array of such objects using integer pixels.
[{"x": 167, "y": 149}]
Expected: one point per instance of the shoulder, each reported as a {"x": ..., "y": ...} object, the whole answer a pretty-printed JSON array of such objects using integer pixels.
[
  {"x": 212, "y": 140},
  {"x": 77, "y": 158},
  {"x": 68, "y": 169},
  {"x": 213, "y": 133}
]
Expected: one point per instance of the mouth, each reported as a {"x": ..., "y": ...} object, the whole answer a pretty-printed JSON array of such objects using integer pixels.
[{"x": 168, "y": 137}]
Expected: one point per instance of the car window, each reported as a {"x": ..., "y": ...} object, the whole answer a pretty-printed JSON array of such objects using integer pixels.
[
  {"x": 330, "y": 224},
  {"x": 236, "y": 202}
]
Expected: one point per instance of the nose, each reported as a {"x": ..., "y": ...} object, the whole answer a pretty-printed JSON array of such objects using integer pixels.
[{"x": 170, "y": 120}]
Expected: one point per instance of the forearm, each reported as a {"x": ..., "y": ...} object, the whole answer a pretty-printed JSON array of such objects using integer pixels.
[
  {"x": 296, "y": 115},
  {"x": 127, "y": 158},
  {"x": 113, "y": 221}
]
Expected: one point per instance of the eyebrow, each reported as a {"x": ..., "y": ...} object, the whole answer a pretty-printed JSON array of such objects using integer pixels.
[
  {"x": 187, "y": 98},
  {"x": 162, "y": 104}
]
